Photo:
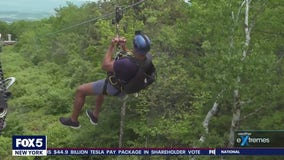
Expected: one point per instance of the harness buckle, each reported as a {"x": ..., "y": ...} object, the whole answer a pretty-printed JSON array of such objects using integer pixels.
[{"x": 112, "y": 80}]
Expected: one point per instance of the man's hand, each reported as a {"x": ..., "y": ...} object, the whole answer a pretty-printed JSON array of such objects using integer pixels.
[
  {"x": 114, "y": 41},
  {"x": 122, "y": 43}
]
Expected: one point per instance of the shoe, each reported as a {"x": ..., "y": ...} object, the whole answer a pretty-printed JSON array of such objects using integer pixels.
[
  {"x": 69, "y": 123},
  {"x": 92, "y": 118}
]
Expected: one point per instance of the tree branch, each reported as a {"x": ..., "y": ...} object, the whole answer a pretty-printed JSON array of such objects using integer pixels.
[
  {"x": 247, "y": 30},
  {"x": 235, "y": 22},
  {"x": 212, "y": 112},
  {"x": 252, "y": 113}
]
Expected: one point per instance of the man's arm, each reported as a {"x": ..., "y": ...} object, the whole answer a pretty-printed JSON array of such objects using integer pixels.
[
  {"x": 108, "y": 61},
  {"x": 107, "y": 64}
]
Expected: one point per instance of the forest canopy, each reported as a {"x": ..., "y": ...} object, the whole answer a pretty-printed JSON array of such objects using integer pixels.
[{"x": 219, "y": 64}]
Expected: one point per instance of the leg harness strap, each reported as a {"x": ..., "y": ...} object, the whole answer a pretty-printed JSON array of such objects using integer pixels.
[{"x": 116, "y": 85}]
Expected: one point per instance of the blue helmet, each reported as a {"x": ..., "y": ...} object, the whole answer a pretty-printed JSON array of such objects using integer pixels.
[{"x": 141, "y": 43}]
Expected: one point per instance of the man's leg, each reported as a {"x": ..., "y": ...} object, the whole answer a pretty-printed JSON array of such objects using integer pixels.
[
  {"x": 94, "y": 114},
  {"x": 81, "y": 93},
  {"x": 99, "y": 102}
]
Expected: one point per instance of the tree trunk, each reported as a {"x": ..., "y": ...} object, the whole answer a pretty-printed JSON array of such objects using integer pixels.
[
  {"x": 236, "y": 118},
  {"x": 247, "y": 30},
  {"x": 207, "y": 119},
  {"x": 212, "y": 112},
  {"x": 237, "y": 100}
]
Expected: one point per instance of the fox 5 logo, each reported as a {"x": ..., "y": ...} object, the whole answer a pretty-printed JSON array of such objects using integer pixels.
[{"x": 29, "y": 142}]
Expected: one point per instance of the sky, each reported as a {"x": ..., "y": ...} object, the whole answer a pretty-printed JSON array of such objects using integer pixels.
[
  {"x": 13, "y": 10},
  {"x": 35, "y": 5}
]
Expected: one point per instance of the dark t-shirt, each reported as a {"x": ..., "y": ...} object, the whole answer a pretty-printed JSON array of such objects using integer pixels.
[{"x": 124, "y": 69}]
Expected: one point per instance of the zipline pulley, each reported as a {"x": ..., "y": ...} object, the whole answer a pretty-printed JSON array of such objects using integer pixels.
[
  {"x": 118, "y": 14},
  {"x": 117, "y": 18}
]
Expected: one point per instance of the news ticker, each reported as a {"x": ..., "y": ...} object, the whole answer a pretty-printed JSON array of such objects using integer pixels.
[
  {"x": 153, "y": 151},
  {"x": 246, "y": 143}
]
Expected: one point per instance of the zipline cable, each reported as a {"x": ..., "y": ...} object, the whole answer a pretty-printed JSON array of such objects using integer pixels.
[
  {"x": 95, "y": 19},
  {"x": 82, "y": 23},
  {"x": 4, "y": 94}
]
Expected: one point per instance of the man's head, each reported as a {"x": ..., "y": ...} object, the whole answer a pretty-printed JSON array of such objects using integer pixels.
[{"x": 141, "y": 43}]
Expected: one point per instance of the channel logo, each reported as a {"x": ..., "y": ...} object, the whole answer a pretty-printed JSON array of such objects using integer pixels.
[
  {"x": 252, "y": 139},
  {"x": 29, "y": 145},
  {"x": 212, "y": 152},
  {"x": 243, "y": 140}
]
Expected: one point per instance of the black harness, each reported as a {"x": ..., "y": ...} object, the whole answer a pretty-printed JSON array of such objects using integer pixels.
[
  {"x": 136, "y": 83},
  {"x": 112, "y": 79}
]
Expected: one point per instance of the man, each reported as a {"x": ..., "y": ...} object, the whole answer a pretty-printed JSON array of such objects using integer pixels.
[{"x": 122, "y": 70}]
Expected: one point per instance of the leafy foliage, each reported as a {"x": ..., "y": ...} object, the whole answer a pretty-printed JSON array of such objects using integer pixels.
[{"x": 197, "y": 50}]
